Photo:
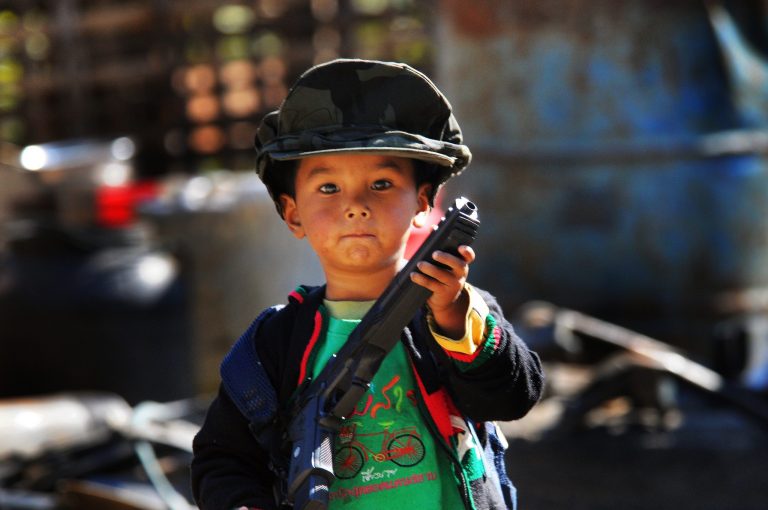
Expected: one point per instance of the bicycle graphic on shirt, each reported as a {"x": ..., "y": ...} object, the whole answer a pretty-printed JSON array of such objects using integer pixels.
[{"x": 402, "y": 447}]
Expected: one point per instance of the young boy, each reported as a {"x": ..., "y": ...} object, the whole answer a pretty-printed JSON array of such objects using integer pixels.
[{"x": 353, "y": 159}]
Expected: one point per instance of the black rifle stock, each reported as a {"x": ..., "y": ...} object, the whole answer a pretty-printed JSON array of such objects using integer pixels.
[{"x": 334, "y": 394}]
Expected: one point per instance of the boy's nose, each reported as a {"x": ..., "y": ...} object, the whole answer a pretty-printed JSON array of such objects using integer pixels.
[
  {"x": 357, "y": 211},
  {"x": 357, "y": 207}
]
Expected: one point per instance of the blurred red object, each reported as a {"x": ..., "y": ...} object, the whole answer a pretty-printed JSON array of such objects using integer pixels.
[
  {"x": 419, "y": 235},
  {"x": 116, "y": 205}
]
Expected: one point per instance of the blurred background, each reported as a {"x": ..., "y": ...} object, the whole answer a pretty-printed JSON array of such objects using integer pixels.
[{"x": 620, "y": 172}]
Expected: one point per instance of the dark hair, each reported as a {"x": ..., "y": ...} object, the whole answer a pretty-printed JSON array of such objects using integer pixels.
[
  {"x": 281, "y": 176},
  {"x": 427, "y": 172}
]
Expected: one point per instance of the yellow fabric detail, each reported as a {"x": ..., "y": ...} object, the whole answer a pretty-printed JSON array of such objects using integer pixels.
[{"x": 474, "y": 334}]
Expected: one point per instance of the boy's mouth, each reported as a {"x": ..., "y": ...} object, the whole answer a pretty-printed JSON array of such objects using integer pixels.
[{"x": 357, "y": 235}]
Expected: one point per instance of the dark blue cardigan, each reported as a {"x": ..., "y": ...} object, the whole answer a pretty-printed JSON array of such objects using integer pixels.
[{"x": 241, "y": 435}]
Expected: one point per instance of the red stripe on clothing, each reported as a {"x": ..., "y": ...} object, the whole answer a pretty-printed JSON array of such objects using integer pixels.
[
  {"x": 469, "y": 358},
  {"x": 496, "y": 338},
  {"x": 297, "y": 296},
  {"x": 464, "y": 358},
  {"x": 439, "y": 408},
  {"x": 310, "y": 346}
]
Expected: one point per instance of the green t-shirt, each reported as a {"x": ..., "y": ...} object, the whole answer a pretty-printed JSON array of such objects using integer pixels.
[{"x": 384, "y": 455}]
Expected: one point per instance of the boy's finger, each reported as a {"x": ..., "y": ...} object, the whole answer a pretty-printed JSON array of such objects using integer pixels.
[
  {"x": 444, "y": 268},
  {"x": 467, "y": 252},
  {"x": 446, "y": 258},
  {"x": 426, "y": 281},
  {"x": 456, "y": 264},
  {"x": 433, "y": 271}
]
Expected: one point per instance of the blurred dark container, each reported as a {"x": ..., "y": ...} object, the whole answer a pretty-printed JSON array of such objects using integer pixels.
[{"x": 103, "y": 312}]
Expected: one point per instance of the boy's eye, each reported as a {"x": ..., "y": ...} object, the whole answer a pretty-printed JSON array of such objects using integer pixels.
[
  {"x": 328, "y": 188},
  {"x": 381, "y": 184}
]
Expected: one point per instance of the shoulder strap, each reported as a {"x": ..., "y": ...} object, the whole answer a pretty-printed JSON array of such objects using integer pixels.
[
  {"x": 243, "y": 376},
  {"x": 246, "y": 381}
]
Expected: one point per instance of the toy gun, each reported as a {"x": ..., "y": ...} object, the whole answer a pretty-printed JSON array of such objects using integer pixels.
[{"x": 334, "y": 394}]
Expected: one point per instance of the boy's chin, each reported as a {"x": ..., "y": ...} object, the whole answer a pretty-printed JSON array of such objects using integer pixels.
[
  {"x": 365, "y": 261},
  {"x": 361, "y": 255}
]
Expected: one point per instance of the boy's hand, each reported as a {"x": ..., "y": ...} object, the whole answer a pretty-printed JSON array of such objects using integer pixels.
[{"x": 448, "y": 303}]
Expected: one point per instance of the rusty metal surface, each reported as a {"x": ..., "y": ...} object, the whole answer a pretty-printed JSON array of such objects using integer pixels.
[{"x": 616, "y": 169}]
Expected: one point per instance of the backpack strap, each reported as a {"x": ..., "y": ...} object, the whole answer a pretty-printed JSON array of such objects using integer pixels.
[
  {"x": 245, "y": 380},
  {"x": 247, "y": 384}
]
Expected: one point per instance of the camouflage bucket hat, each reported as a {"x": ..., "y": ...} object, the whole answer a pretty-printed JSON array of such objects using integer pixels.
[{"x": 352, "y": 106}]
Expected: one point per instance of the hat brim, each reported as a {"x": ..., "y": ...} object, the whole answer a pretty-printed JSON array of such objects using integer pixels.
[
  {"x": 336, "y": 140},
  {"x": 423, "y": 155}
]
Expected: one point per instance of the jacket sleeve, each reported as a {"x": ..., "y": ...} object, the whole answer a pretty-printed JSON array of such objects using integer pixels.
[
  {"x": 229, "y": 468},
  {"x": 502, "y": 379}
]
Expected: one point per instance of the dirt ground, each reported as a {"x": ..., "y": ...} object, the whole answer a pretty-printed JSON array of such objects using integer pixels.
[{"x": 712, "y": 457}]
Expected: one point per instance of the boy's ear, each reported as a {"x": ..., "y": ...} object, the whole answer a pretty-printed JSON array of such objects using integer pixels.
[
  {"x": 420, "y": 219},
  {"x": 291, "y": 215}
]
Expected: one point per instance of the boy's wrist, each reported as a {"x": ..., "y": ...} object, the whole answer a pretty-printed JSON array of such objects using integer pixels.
[
  {"x": 451, "y": 321},
  {"x": 474, "y": 325}
]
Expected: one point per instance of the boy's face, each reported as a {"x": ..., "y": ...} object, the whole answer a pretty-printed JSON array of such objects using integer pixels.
[{"x": 356, "y": 211}]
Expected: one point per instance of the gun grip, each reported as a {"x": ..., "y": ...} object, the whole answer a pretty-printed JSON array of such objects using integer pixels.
[
  {"x": 310, "y": 487},
  {"x": 311, "y": 471}
]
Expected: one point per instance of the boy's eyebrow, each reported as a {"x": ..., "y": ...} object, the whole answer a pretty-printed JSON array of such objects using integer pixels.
[
  {"x": 318, "y": 170},
  {"x": 387, "y": 163}
]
